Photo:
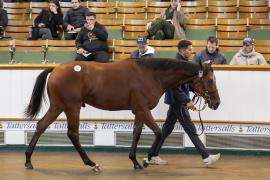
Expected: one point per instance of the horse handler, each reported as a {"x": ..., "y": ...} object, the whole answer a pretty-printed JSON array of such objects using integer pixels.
[{"x": 179, "y": 103}]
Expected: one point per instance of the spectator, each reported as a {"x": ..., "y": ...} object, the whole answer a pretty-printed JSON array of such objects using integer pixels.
[
  {"x": 3, "y": 19},
  {"x": 48, "y": 23},
  {"x": 74, "y": 19},
  {"x": 210, "y": 53},
  {"x": 144, "y": 51},
  {"x": 179, "y": 102},
  {"x": 170, "y": 25},
  {"x": 91, "y": 41},
  {"x": 247, "y": 55}
]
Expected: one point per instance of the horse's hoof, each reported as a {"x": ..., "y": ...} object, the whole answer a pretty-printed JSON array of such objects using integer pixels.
[
  {"x": 96, "y": 169},
  {"x": 28, "y": 165},
  {"x": 138, "y": 167},
  {"x": 145, "y": 163}
]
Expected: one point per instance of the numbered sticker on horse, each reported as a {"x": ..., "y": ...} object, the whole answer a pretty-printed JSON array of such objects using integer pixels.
[{"x": 77, "y": 68}]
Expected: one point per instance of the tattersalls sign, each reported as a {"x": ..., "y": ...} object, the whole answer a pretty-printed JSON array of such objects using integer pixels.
[{"x": 128, "y": 126}]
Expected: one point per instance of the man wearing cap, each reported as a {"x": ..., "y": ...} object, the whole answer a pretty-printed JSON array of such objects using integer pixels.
[
  {"x": 210, "y": 53},
  {"x": 247, "y": 55},
  {"x": 144, "y": 51}
]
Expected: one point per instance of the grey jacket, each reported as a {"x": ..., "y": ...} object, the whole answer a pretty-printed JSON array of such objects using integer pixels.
[
  {"x": 217, "y": 57},
  {"x": 252, "y": 58},
  {"x": 76, "y": 17}
]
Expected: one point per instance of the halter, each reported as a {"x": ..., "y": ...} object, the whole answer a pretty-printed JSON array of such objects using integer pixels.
[
  {"x": 205, "y": 94},
  {"x": 198, "y": 97}
]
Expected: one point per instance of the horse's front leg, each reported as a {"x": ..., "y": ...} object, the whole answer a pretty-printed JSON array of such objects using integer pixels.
[
  {"x": 146, "y": 117},
  {"x": 137, "y": 130},
  {"x": 150, "y": 122}
]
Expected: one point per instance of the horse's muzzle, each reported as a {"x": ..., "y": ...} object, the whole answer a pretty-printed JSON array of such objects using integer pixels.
[{"x": 213, "y": 105}]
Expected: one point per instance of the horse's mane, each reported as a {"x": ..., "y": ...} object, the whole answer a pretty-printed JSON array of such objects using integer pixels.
[{"x": 164, "y": 64}]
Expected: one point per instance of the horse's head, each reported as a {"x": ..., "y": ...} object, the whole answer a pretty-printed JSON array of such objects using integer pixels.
[{"x": 205, "y": 85}]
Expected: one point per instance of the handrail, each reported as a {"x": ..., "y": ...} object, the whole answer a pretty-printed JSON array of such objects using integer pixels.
[
  {"x": 156, "y": 120},
  {"x": 216, "y": 67}
]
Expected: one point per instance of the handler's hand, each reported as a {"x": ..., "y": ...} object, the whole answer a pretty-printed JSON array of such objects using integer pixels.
[
  {"x": 190, "y": 105},
  {"x": 81, "y": 51}
]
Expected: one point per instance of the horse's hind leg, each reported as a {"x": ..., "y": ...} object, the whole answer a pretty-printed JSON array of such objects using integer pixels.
[
  {"x": 42, "y": 125},
  {"x": 73, "y": 134},
  {"x": 137, "y": 130}
]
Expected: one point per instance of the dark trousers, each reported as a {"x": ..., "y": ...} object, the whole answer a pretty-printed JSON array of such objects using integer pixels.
[
  {"x": 70, "y": 36},
  {"x": 172, "y": 115},
  {"x": 161, "y": 29},
  {"x": 98, "y": 56}
]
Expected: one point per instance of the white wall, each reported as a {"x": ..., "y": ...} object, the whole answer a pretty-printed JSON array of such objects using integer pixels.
[{"x": 244, "y": 97}]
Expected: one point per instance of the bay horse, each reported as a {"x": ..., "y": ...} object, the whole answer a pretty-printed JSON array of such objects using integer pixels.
[{"x": 130, "y": 84}]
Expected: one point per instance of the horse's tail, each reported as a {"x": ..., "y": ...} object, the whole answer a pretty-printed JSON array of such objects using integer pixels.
[{"x": 34, "y": 106}]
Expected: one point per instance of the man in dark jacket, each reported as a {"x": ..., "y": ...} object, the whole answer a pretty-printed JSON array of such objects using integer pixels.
[
  {"x": 3, "y": 18},
  {"x": 144, "y": 51},
  {"x": 179, "y": 102},
  {"x": 211, "y": 53},
  {"x": 74, "y": 19},
  {"x": 91, "y": 41}
]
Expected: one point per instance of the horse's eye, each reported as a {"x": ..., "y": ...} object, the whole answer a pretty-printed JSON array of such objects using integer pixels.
[{"x": 210, "y": 81}]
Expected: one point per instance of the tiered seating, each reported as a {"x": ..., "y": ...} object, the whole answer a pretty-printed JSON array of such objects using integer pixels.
[
  {"x": 222, "y": 9},
  {"x": 18, "y": 29},
  {"x": 29, "y": 51},
  {"x": 36, "y": 8},
  {"x": 125, "y": 20},
  {"x": 259, "y": 28},
  {"x": 4, "y": 51},
  {"x": 231, "y": 28},
  {"x": 18, "y": 11},
  {"x": 253, "y": 9},
  {"x": 131, "y": 10},
  {"x": 103, "y": 9},
  {"x": 263, "y": 47},
  {"x": 154, "y": 8},
  {"x": 114, "y": 27},
  {"x": 196, "y": 9},
  {"x": 133, "y": 27},
  {"x": 230, "y": 47},
  {"x": 200, "y": 28},
  {"x": 164, "y": 48},
  {"x": 123, "y": 48},
  {"x": 60, "y": 51}
]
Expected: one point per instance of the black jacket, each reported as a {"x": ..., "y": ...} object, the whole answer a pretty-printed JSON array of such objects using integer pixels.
[
  {"x": 75, "y": 17},
  {"x": 180, "y": 94},
  {"x": 3, "y": 18},
  {"x": 95, "y": 40},
  {"x": 52, "y": 21}
]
